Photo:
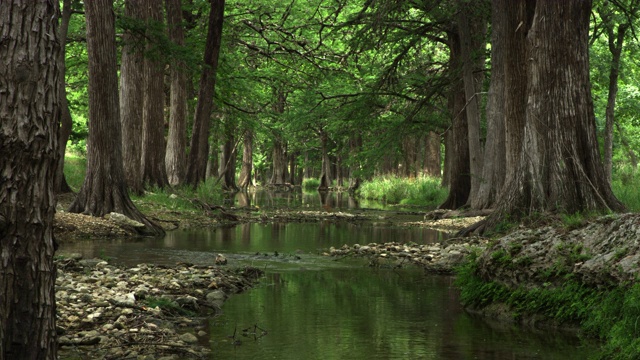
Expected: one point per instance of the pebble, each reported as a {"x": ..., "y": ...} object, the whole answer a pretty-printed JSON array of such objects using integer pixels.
[{"x": 95, "y": 299}]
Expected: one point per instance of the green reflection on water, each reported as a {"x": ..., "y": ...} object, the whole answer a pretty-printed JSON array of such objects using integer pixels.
[{"x": 358, "y": 313}]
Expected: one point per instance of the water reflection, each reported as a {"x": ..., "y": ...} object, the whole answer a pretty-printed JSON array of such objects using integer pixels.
[
  {"x": 199, "y": 246},
  {"x": 361, "y": 314}
]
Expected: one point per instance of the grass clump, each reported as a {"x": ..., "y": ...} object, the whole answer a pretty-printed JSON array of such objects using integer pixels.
[
  {"x": 75, "y": 167},
  {"x": 610, "y": 314},
  {"x": 625, "y": 185},
  {"x": 422, "y": 191},
  {"x": 310, "y": 184}
]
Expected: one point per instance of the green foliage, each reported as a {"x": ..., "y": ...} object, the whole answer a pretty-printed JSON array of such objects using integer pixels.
[
  {"x": 75, "y": 168},
  {"x": 424, "y": 191},
  {"x": 310, "y": 184},
  {"x": 612, "y": 315},
  {"x": 626, "y": 186}
]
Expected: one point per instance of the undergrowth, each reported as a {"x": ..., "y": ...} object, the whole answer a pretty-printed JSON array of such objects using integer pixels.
[
  {"x": 423, "y": 191},
  {"x": 612, "y": 315}
]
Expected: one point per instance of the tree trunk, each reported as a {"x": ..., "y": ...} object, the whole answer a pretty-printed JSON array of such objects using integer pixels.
[
  {"x": 131, "y": 99},
  {"x": 60, "y": 183},
  {"x": 471, "y": 29},
  {"x": 228, "y": 158},
  {"x": 325, "y": 173},
  {"x": 517, "y": 17},
  {"x": 493, "y": 171},
  {"x": 177, "y": 140},
  {"x": 199, "y": 145},
  {"x": 355, "y": 144},
  {"x": 560, "y": 168},
  {"x": 293, "y": 167},
  {"x": 154, "y": 171},
  {"x": 244, "y": 181},
  {"x": 279, "y": 161},
  {"x": 104, "y": 189},
  {"x": 432, "y": 155},
  {"x": 29, "y": 120},
  {"x": 615, "y": 47},
  {"x": 459, "y": 179}
]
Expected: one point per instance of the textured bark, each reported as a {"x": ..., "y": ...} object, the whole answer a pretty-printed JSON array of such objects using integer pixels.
[
  {"x": 29, "y": 120},
  {"x": 104, "y": 189},
  {"x": 431, "y": 163},
  {"x": 199, "y": 146},
  {"x": 244, "y": 180},
  {"x": 154, "y": 171},
  {"x": 517, "y": 17},
  {"x": 131, "y": 99},
  {"x": 176, "y": 155},
  {"x": 66, "y": 123},
  {"x": 493, "y": 170},
  {"x": 471, "y": 29},
  {"x": 560, "y": 168},
  {"x": 279, "y": 162},
  {"x": 459, "y": 179}
]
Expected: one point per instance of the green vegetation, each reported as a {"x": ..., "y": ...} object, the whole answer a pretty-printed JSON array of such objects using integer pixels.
[
  {"x": 310, "y": 184},
  {"x": 75, "y": 166},
  {"x": 424, "y": 191},
  {"x": 612, "y": 315},
  {"x": 626, "y": 186},
  {"x": 167, "y": 305}
]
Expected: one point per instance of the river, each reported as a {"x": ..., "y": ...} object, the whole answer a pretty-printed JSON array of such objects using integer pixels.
[{"x": 311, "y": 306}]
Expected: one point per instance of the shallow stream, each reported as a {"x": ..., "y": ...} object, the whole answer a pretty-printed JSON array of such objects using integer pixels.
[{"x": 314, "y": 307}]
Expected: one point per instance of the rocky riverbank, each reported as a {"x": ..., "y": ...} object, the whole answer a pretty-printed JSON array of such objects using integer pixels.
[
  {"x": 144, "y": 312},
  {"x": 440, "y": 257}
]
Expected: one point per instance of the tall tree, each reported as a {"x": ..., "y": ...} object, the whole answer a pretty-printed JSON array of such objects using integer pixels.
[
  {"x": 176, "y": 156},
  {"x": 199, "y": 145},
  {"x": 29, "y": 118},
  {"x": 615, "y": 39},
  {"x": 457, "y": 137},
  {"x": 560, "y": 168},
  {"x": 131, "y": 95},
  {"x": 244, "y": 180},
  {"x": 104, "y": 189},
  {"x": 493, "y": 169},
  {"x": 154, "y": 171},
  {"x": 66, "y": 123},
  {"x": 471, "y": 28}
]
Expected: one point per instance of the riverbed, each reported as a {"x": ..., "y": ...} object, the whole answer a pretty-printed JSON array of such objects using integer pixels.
[{"x": 311, "y": 306}]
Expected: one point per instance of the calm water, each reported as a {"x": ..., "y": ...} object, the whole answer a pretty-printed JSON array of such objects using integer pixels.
[{"x": 314, "y": 307}]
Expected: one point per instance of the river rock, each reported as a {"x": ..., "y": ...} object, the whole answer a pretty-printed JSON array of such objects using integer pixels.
[
  {"x": 123, "y": 220},
  {"x": 603, "y": 253}
]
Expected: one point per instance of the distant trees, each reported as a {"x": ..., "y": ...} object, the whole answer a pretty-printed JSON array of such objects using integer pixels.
[
  {"x": 29, "y": 119},
  {"x": 346, "y": 91}
]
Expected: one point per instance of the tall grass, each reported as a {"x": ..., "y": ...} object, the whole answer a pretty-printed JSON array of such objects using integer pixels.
[
  {"x": 423, "y": 191},
  {"x": 75, "y": 167},
  {"x": 175, "y": 198},
  {"x": 310, "y": 184},
  {"x": 626, "y": 186}
]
